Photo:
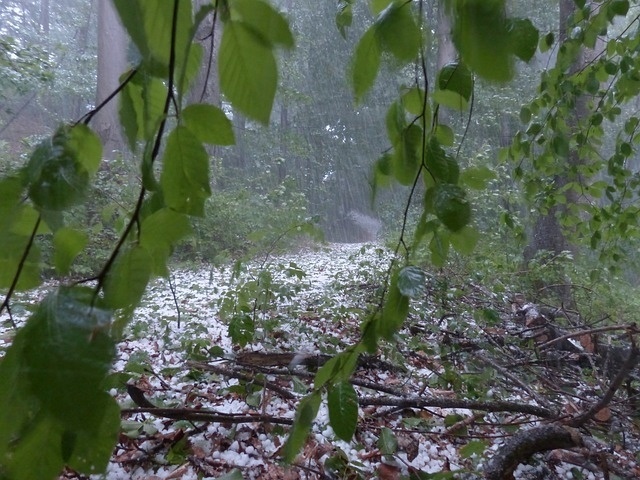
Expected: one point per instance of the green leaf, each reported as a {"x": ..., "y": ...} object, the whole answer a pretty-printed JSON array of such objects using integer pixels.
[
  {"x": 439, "y": 248},
  {"x": 413, "y": 100},
  {"x": 264, "y": 20},
  {"x": 142, "y": 103},
  {"x": 67, "y": 244},
  {"x": 338, "y": 368},
  {"x": 451, "y": 206},
  {"x": 377, "y": 6},
  {"x": 440, "y": 165},
  {"x": 481, "y": 34},
  {"x": 456, "y": 77},
  {"x": 130, "y": 112},
  {"x": 128, "y": 278},
  {"x": 58, "y": 362},
  {"x": 209, "y": 124},
  {"x": 546, "y": 42},
  {"x": 12, "y": 249},
  {"x": 154, "y": 94},
  {"x": 93, "y": 447},
  {"x": 15, "y": 403},
  {"x": 444, "y": 135},
  {"x": 383, "y": 165},
  {"x": 178, "y": 451},
  {"x": 305, "y": 414},
  {"x": 132, "y": 14},
  {"x": 474, "y": 447},
  {"x": 394, "y": 310},
  {"x": 42, "y": 441},
  {"x": 149, "y": 181},
  {"x": 344, "y": 17},
  {"x": 560, "y": 145},
  {"x": 424, "y": 228},
  {"x": 450, "y": 99},
  {"x": 619, "y": 7},
  {"x": 163, "y": 226},
  {"x": 397, "y": 31},
  {"x": 416, "y": 475},
  {"x": 150, "y": 23},
  {"x": 387, "y": 442},
  {"x": 248, "y": 72},
  {"x": 412, "y": 281},
  {"x": 395, "y": 123},
  {"x": 159, "y": 232},
  {"x": 24, "y": 221},
  {"x": 68, "y": 355},
  {"x": 342, "y": 401},
  {"x": 86, "y": 146},
  {"x": 477, "y": 177},
  {"x": 241, "y": 329},
  {"x": 406, "y": 162},
  {"x": 365, "y": 64},
  {"x": 185, "y": 173},
  {"x": 524, "y": 38},
  {"x": 465, "y": 240},
  {"x": 234, "y": 474},
  {"x": 58, "y": 171},
  {"x": 370, "y": 333},
  {"x": 188, "y": 68},
  {"x": 11, "y": 192}
]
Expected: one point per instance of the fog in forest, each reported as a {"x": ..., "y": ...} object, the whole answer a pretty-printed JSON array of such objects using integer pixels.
[{"x": 318, "y": 153}]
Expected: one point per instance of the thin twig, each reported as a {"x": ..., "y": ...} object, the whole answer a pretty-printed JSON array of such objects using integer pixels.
[
  {"x": 135, "y": 217},
  {"x": 175, "y": 298},
  {"x": 427, "y": 402},
  {"x": 245, "y": 377},
  {"x": 202, "y": 415},
  {"x": 620, "y": 377},
  {"x": 583, "y": 332},
  {"x": 510, "y": 376},
  {"x": 16, "y": 277},
  {"x": 89, "y": 115}
]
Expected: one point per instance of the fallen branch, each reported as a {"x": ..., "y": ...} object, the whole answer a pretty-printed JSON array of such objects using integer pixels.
[
  {"x": 195, "y": 415},
  {"x": 284, "y": 393},
  {"x": 429, "y": 402},
  {"x": 233, "y": 373},
  {"x": 620, "y": 377},
  {"x": 525, "y": 443},
  {"x": 192, "y": 414},
  {"x": 511, "y": 377},
  {"x": 579, "y": 333}
]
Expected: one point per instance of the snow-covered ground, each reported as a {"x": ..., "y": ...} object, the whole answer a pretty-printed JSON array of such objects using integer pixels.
[{"x": 311, "y": 302}]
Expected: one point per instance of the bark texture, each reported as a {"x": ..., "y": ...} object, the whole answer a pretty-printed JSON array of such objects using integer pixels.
[
  {"x": 112, "y": 61},
  {"x": 526, "y": 443}
]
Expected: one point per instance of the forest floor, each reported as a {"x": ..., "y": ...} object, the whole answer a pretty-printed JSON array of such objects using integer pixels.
[{"x": 460, "y": 380}]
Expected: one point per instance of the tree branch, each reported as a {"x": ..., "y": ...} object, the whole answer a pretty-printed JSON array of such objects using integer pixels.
[
  {"x": 525, "y": 443},
  {"x": 16, "y": 277},
  {"x": 427, "y": 401},
  {"x": 192, "y": 414},
  {"x": 608, "y": 396}
]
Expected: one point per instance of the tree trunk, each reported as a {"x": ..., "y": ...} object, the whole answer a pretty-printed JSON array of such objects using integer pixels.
[
  {"x": 547, "y": 234},
  {"x": 446, "y": 52},
  {"x": 45, "y": 17},
  {"x": 112, "y": 61},
  {"x": 284, "y": 144},
  {"x": 446, "y": 48}
]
